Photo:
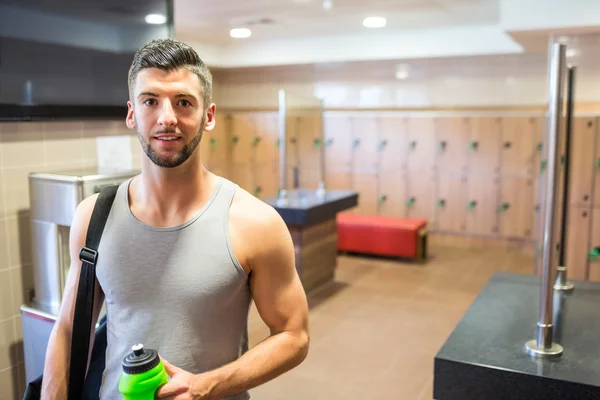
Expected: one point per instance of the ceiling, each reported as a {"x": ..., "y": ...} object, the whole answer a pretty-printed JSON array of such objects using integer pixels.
[{"x": 295, "y": 32}]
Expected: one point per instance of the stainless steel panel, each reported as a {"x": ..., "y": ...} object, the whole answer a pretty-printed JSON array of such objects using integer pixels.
[
  {"x": 46, "y": 261},
  {"x": 54, "y": 201}
]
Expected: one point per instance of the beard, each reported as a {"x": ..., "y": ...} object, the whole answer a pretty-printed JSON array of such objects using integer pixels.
[{"x": 175, "y": 160}]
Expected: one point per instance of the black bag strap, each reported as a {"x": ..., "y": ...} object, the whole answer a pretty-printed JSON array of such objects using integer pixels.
[{"x": 84, "y": 304}]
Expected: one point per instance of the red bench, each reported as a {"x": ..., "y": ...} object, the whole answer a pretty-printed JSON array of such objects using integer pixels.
[{"x": 386, "y": 236}]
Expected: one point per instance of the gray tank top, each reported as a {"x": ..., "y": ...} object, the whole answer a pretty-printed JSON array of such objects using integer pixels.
[{"x": 179, "y": 290}]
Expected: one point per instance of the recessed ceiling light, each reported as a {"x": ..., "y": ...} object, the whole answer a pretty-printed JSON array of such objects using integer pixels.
[
  {"x": 156, "y": 19},
  {"x": 374, "y": 22},
  {"x": 240, "y": 33}
]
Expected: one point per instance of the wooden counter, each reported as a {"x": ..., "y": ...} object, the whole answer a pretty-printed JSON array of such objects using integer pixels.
[{"x": 312, "y": 224}]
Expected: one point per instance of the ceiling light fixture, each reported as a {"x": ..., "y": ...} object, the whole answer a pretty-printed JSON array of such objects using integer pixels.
[
  {"x": 374, "y": 22},
  {"x": 402, "y": 71},
  {"x": 240, "y": 33},
  {"x": 327, "y": 5},
  {"x": 155, "y": 19}
]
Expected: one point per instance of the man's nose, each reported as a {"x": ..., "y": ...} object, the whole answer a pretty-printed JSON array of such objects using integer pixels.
[{"x": 167, "y": 116}]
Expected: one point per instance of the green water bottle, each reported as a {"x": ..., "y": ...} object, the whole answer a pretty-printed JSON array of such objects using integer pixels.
[{"x": 143, "y": 373}]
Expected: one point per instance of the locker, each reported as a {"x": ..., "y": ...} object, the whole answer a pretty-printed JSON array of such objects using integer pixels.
[
  {"x": 292, "y": 136},
  {"x": 243, "y": 132},
  {"x": 518, "y": 145},
  {"x": 481, "y": 204},
  {"x": 267, "y": 150},
  {"x": 594, "y": 261},
  {"x": 215, "y": 145},
  {"x": 366, "y": 186},
  {"x": 451, "y": 213},
  {"x": 309, "y": 177},
  {"x": 452, "y": 137},
  {"x": 338, "y": 143},
  {"x": 578, "y": 242},
  {"x": 391, "y": 199},
  {"x": 392, "y": 144},
  {"x": 582, "y": 162},
  {"x": 421, "y": 198},
  {"x": 484, "y": 146},
  {"x": 338, "y": 180},
  {"x": 265, "y": 180},
  {"x": 365, "y": 145},
  {"x": 515, "y": 213},
  {"x": 243, "y": 175},
  {"x": 421, "y": 146},
  {"x": 309, "y": 140}
]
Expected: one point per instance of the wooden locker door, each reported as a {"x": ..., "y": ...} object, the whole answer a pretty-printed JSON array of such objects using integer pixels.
[
  {"x": 265, "y": 180},
  {"x": 391, "y": 199},
  {"x": 243, "y": 132},
  {"x": 485, "y": 146},
  {"x": 594, "y": 263},
  {"x": 267, "y": 150},
  {"x": 392, "y": 144},
  {"x": 452, "y": 139},
  {"x": 366, "y": 186},
  {"x": 581, "y": 179},
  {"x": 421, "y": 145},
  {"x": 243, "y": 175},
  {"x": 451, "y": 215},
  {"x": 578, "y": 242},
  {"x": 309, "y": 177},
  {"x": 482, "y": 204},
  {"x": 338, "y": 143},
  {"x": 338, "y": 180},
  {"x": 421, "y": 196},
  {"x": 309, "y": 141},
  {"x": 518, "y": 145},
  {"x": 516, "y": 214},
  {"x": 365, "y": 145},
  {"x": 292, "y": 146}
]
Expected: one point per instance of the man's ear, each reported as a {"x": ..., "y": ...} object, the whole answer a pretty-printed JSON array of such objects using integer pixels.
[
  {"x": 130, "y": 120},
  {"x": 210, "y": 117}
]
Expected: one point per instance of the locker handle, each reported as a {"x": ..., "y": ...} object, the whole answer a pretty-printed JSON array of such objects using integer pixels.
[
  {"x": 411, "y": 201},
  {"x": 329, "y": 142},
  {"x": 355, "y": 143},
  {"x": 594, "y": 254},
  {"x": 213, "y": 143},
  {"x": 413, "y": 144},
  {"x": 474, "y": 145},
  {"x": 277, "y": 142},
  {"x": 543, "y": 164},
  {"x": 441, "y": 203},
  {"x": 382, "y": 144},
  {"x": 293, "y": 140},
  {"x": 382, "y": 199},
  {"x": 235, "y": 139},
  {"x": 471, "y": 205},
  {"x": 598, "y": 163},
  {"x": 443, "y": 145},
  {"x": 257, "y": 191},
  {"x": 562, "y": 161},
  {"x": 507, "y": 145},
  {"x": 317, "y": 143},
  {"x": 256, "y": 141},
  {"x": 540, "y": 146},
  {"x": 503, "y": 207}
]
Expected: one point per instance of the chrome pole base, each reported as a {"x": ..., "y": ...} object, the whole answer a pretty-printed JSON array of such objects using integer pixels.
[
  {"x": 561, "y": 281},
  {"x": 321, "y": 191},
  {"x": 282, "y": 199},
  {"x": 533, "y": 350}
]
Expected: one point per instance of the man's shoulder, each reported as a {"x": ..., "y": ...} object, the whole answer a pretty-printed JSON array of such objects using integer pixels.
[{"x": 249, "y": 212}]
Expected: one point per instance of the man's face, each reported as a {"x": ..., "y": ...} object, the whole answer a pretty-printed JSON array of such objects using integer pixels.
[{"x": 167, "y": 110}]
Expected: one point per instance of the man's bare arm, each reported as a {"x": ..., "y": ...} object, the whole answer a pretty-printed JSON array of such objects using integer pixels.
[
  {"x": 281, "y": 303},
  {"x": 56, "y": 366}
]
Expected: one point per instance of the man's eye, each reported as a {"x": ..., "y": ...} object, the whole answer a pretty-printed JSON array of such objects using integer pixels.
[
  {"x": 185, "y": 103},
  {"x": 150, "y": 102}
]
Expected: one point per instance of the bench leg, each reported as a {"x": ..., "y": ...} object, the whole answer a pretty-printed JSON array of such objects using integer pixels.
[{"x": 422, "y": 245}]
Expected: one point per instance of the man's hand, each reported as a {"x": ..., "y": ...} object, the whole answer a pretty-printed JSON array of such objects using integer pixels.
[{"x": 183, "y": 385}]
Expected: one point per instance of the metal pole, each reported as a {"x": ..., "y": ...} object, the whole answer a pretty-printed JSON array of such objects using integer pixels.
[
  {"x": 543, "y": 346},
  {"x": 561, "y": 278},
  {"x": 282, "y": 196},
  {"x": 321, "y": 190}
]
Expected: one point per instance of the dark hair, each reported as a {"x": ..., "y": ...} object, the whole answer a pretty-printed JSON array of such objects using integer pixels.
[{"x": 170, "y": 54}]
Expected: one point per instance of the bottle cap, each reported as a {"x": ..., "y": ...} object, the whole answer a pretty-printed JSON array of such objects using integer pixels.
[{"x": 140, "y": 360}]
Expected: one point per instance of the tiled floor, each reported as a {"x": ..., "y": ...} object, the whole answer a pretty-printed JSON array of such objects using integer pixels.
[{"x": 375, "y": 332}]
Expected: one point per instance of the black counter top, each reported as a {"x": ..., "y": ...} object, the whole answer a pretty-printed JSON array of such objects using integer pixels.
[
  {"x": 304, "y": 207},
  {"x": 485, "y": 358}
]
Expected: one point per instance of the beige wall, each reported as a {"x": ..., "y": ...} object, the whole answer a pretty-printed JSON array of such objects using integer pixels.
[{"x": 33, "y": 147}]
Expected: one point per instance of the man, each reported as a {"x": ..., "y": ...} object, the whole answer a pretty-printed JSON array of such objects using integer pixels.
[{"x": 184, "y": 252}]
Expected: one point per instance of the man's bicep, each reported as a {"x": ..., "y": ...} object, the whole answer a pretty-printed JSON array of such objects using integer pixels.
[{"x": 276, "y": 286}]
